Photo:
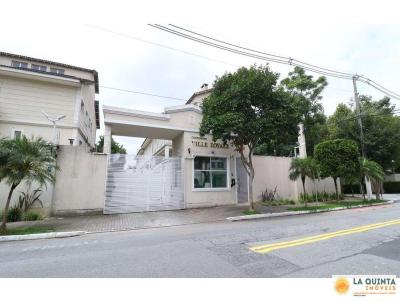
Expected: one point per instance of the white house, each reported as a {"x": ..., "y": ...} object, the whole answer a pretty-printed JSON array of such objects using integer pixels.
[{"x": 31, "y": 86}]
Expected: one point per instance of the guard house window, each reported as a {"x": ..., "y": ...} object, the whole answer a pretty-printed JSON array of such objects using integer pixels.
[
  {"x": 39, "y": 67},
  {"x": 57, "y": 70},
  {"x": 210, "y": 172},
  {"x": 19, "y": 64}
]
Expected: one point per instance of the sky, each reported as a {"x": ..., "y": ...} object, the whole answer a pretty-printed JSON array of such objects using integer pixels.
[{"x": 357, "y": 37}]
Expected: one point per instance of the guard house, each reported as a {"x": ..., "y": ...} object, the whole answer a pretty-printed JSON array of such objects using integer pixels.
[
  {"x": 176, "y": 168},
  {"x": 205, "y": 172}
]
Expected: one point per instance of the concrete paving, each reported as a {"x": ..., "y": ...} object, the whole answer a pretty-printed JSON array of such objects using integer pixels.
[
  {"x": 120, "y": 222},
  {"x": 217, "y": 249}
]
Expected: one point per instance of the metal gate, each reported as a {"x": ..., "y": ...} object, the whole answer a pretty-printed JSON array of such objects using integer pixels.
[
  {"x": 242, "y": 182},
  {"x": 142, "y": 184}
]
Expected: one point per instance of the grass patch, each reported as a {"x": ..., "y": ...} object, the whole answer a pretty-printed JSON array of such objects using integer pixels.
[
  {"x": 250, "y": 212},
  {"x": 338, "y": 204},
  {"x": 29, "y": 230}
]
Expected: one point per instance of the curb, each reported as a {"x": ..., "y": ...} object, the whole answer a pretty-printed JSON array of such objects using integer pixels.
[
  {"x": 294, "y": 213},
  {"x": 41, "y": 236}
]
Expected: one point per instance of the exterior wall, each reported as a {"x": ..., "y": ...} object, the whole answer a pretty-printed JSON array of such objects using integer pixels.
[
  {"x": 156, "y": 147},
  {"x": 22, "y": 102},
  {"x": 392, "y": 177},
  {"x": 45, "y": 197},
  {"x": 271, "y": 171},
  {"x": 80, "y": 184}
]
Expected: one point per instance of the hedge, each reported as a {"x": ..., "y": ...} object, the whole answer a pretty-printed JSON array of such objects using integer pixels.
[{"x": 391, "y": 187}]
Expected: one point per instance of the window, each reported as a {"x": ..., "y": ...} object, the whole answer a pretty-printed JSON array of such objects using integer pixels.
[
  {"x": 19, "y": 64},
  {"x": 210, "y": 172},
  {"x": 39, "y": 67},
  {"x": 17, "y": 134},
  {"x": 57, "y": 70}
]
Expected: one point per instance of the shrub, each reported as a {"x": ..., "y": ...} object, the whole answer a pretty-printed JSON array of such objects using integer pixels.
[
  {"x": 32, "y": 216},
  {"x": 350, "y": 189},
  {"x": 282, "y": 201},
  {"x": 14, "y": 214},
  {"x": 250, "y": 212},
  {"x": 268, "y": 195},
  {"x": 391, "y": 187}
]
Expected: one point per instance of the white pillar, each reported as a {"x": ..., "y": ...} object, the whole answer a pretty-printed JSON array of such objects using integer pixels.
[
  {"x": 166, "y": 151},
  {"x": 302, "y": 142},
  {"x": 107, "y": 139}
]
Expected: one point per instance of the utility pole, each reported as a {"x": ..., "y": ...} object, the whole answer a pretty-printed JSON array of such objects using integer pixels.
[{"x": 358, "y": 112}]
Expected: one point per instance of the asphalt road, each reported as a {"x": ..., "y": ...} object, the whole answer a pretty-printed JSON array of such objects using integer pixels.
[{"x": 358, "y": 241}]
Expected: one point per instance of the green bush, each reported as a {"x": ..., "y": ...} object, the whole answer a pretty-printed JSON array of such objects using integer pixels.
[
  {"x": 32, "y": 216},
  {"x": 347, "y": 189},
  {"x": 391, "y": 187},
  {"x": 14, "y": 214}
]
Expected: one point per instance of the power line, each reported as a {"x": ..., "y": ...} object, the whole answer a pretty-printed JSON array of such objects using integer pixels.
[
  {"x": 159, "y": 45},
  {"x": 271, "y": 57},
  {"x": 257, "y": 51},
  {"x": 286, "y": 60},
  {"x": 144, "y": 93}
]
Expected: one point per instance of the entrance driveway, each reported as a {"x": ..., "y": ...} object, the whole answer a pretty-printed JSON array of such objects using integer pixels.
[{"x": 120, "y": 222}]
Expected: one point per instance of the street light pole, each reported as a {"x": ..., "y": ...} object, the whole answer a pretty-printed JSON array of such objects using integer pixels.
[
  {"x": 55, "y": 136},
  {"x": 358, "y": 113}
]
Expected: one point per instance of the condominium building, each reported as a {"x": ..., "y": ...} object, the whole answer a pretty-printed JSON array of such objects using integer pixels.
[{"x": 33, "y": 92}]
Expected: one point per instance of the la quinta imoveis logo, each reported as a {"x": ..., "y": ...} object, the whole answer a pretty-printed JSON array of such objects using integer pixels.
[
  {"x": 342, "y": 285},
  {"x": 365, "y": 285}
]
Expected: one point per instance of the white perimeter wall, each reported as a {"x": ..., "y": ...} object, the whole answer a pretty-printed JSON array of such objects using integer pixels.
[
  {"x": 80, "y": 184},
  {"x": 271, "y": 171}
]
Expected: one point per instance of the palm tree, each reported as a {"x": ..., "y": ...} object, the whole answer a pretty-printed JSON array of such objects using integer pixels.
[
  {"x": 28, "y": 160},
  {"x": 372, "y": 170},
  {"x": 302, "y": 168}
]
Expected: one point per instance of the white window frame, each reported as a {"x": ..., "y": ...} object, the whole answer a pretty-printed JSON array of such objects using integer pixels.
[
  {"x": 19, "y": 62},
  {"x": 56, "y": 70},
  {"x": 39, "y": 67},
  {"x": 228, "y": 166},
  {"x": 13, "y": 130}
]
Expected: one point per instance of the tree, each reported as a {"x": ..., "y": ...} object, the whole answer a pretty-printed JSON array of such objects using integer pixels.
[
  {"x": 381, "y": 129},
  {"x": 115, "y": 147},
  {"x": 372, "y": 170},
  {"x": 308, "y": 93},
  {"x": 337, "y": 158},
  {"x": 302, "y": 168},
  {"x": 247, "y": 108},
  {"x": 28, "y": 160}
]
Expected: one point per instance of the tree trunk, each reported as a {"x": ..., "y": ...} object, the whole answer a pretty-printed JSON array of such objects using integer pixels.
[
  {"x": 316, "y": 191},
  {"x": 3, "y": 226},
  {"x": 336, "y": 190},
  {"x": 377, "y": 190},
  {"x": 362, "y": 188},
  {"x": 303, "y": 181},
  {"x": 251, "y": 197}
]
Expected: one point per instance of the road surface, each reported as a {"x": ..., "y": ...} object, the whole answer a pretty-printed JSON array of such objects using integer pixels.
[{"x": 358, "y": 241}]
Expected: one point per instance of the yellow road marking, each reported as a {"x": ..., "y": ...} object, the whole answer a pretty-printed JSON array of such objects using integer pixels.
[{"x": 281, "y": 245}]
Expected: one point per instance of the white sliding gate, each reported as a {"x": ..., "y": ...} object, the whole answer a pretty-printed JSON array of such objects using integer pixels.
[{"x": 140, "y": 184}]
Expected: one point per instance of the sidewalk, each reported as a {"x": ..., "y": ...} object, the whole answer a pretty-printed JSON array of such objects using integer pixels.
[{"x": 120, "y": 222}]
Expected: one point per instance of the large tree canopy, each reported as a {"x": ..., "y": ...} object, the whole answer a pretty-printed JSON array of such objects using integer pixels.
[
  {"x": 381, "y": 129},
  {"x": 307, "y": 92},
  {"x": 247, "y": 108},
  {"x": 337, "y": 158}
]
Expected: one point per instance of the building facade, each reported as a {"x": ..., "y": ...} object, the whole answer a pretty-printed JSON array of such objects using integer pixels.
[
  {"x": 32, "y": 88},
  {"x": 204, "y": 173}
]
